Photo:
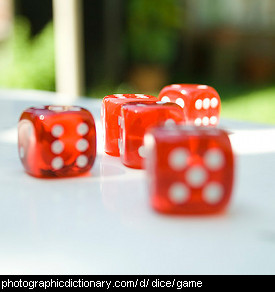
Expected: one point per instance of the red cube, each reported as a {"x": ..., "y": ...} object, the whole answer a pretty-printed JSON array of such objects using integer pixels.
[
  {"x": 110, "y": 112},
  {"x": 190, "y": 169},
  {"x": 201, "y": 103},
  {"x": 56, "y": 141},
  {"x": 136, "y": 119}
]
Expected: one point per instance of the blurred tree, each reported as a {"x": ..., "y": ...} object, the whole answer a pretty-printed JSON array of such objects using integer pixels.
[
  {"x": 113, "y": 40},
  {"x": 153, "y": 34},
  {"x": 153, "y": 30},
  {"x": 39, "y": 13},
  {"x": 30, "y": 63}
]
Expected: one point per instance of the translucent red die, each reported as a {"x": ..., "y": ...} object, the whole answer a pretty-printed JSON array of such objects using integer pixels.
[
  {"x": 201, "y": 103},
  {"x": 110, "y": 111},
  {"x": 136, "y": 119},
  {"x": 56, "y": 141},
  {"x": 190, "y": 169}
]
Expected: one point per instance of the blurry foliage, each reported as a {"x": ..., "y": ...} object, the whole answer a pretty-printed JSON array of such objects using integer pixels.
[
  {"x": 153, "y": 30},
  {"x": 250, "y": 104},
  {"x": 29, "y": 62}
]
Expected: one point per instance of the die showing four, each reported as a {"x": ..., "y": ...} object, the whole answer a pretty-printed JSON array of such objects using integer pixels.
[
  {"x": 110, "y": 113},
  {"x": 201, "y": 103},
  {"x": 56, "y": 141},
  {"x": 136, "y": 119},
  {"x": 190, "y": 169}
]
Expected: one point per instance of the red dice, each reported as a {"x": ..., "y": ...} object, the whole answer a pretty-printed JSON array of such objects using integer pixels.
[
  {"x": 201, "y": 103},
  {"x": 110, "y": 112},
  {"x": 56, "y": 141},
  {"x": 136, "y": 118},
  {"x": 190, "y": 169}
]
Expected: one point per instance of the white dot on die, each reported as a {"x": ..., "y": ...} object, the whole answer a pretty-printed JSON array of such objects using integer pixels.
[
  {"x": 56, "y": 108},
  {"x": 30, "y": 130},
  {"x": 197, "y": 122},
  {"x": 205, "y": 121},
  {"x": 82, "y": 145},
  {"x": 82, "y": 129},
  {"x": 206, "y": 103},
  {"x": 149, "y": 141},
  {"x": 213, "y": 193},
  {"x": 202, "y": 86},
  {"x": 178, "y": 193},
  {"x": 198, "y": 104},
  {"x": 142, "y": 151},
  {"x": 21, "y": 152},
  {"x": 183, "y": 92},
  {"x": 57, "y": 147},
  {"x": 165, "y": 99},
  {"x": 170, "y": 123},
  {"x": 57, "y": 131},
  {"x": 119, "y": 95},
  {"x": 213, "y": 120},
  {"x": 82, "y": 161},
  {"x": 141, "y": 96},
  {"x": 178, "y": 159},
  {"x": 214, "y": 102},
  {"x": 196, "y": 176},
  {"x": 119, "y": 144},
  {"x": 180, "y": 102},
  {"x": 175, "y": 86},
  {"x": 75, "y": 108},
  {"x": 214, "y": 159},
  {"x": 57, "y": 163},
  {"x": 141, "y": 105}
]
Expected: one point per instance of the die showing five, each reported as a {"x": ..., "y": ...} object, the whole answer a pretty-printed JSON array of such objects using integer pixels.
[
  {"x": 56, "y": 141},
  {"x": 190, "y": 169}
]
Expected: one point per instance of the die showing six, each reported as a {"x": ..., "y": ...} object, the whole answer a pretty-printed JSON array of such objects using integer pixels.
[
  {"x": 136, "y": 119},
  {"x": 56, "y": 141},
  {"x": 190, "y": 169},
  {"x": 110, "y": 113},
  {"x": 201, "y": 103}
]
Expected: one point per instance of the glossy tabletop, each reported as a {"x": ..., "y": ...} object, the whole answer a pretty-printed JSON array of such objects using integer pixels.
[{"x": 103, "y": 224}]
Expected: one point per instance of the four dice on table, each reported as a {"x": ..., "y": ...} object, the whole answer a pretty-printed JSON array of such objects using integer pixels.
[
  {"x": 56, "y": 141},
  {"x": 201, "y": 103},
  {"x": 136, "y": 119},
  {"x": 190, "y": 169}
]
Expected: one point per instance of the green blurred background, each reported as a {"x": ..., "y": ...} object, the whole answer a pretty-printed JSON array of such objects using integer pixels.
[{"x": 142, "y": 45}]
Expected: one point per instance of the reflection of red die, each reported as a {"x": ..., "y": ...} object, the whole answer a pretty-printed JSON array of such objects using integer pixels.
[
  {"x": 110, "y": 113},
  {"x": 190, "y": 169},
  {"x": 201, "y": 103},
  {"x": 57, "y": 141},
  {"x": 136, "y": 118}
]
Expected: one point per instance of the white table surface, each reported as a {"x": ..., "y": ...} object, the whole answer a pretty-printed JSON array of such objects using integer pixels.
[{"x": 103, "y": 223}]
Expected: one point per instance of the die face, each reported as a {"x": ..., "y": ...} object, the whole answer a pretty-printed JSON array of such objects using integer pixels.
[
  {"x": 110, "y": 113},
  {"x": 57, "y": 141},
  {"x": 202, "y": 103},
  {"x": 190, "y": 170},
  {"x": 136, "y": 119}
]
